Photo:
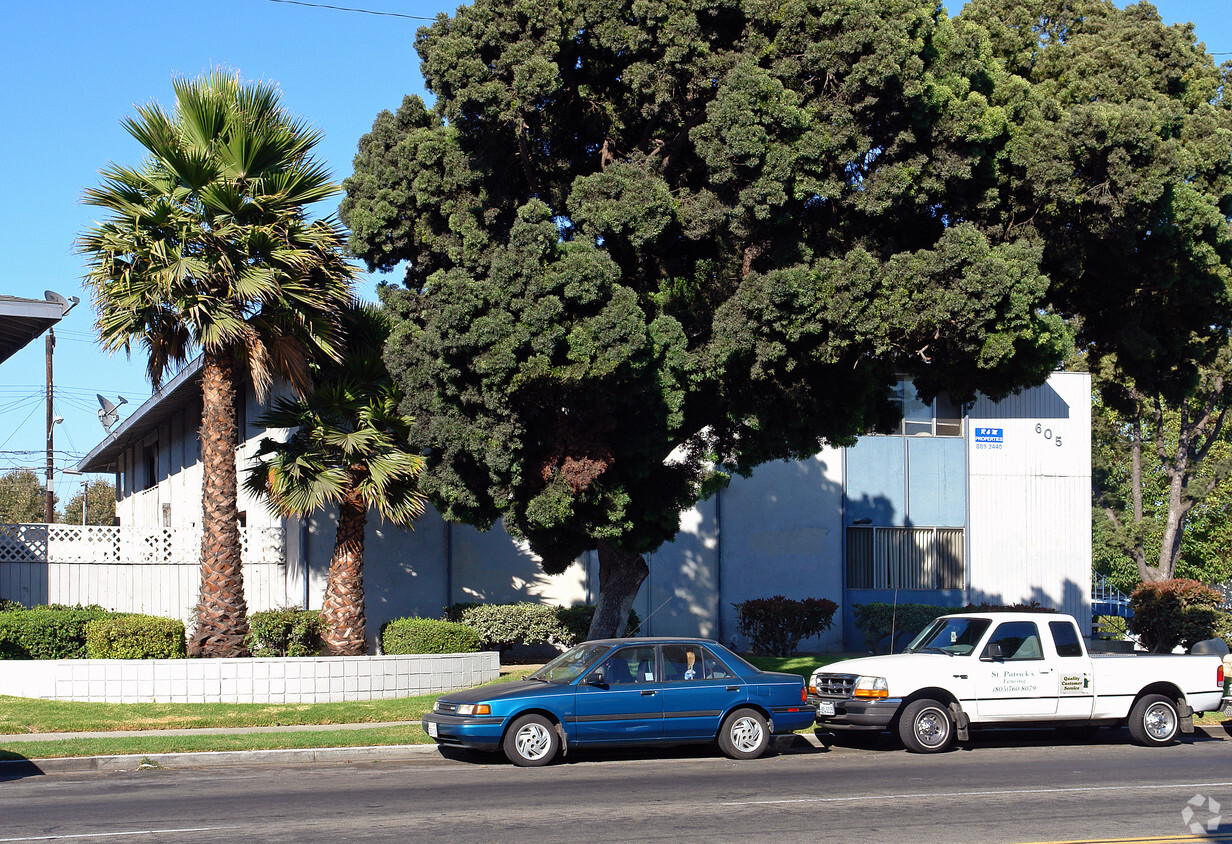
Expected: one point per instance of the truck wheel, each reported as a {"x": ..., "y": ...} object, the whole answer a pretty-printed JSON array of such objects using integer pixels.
[
  {"x": 531, "y": 741},
  {"x": 926, "y": 727},
  {"x": 744, "y": 735},
  {"x": 1154, "y": 721}
]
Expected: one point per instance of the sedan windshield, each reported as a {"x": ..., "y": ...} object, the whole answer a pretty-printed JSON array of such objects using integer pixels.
[
  {"x": 569, "y": 665},
  {"x": 954, "y": 636}
]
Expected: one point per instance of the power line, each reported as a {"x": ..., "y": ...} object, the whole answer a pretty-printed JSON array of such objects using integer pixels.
[{"x": 350, "y": 9}]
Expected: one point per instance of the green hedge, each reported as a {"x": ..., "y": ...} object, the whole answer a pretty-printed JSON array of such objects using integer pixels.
[
  {"x": 47, "y": 632},
  {"x": 875, "y": 619},
  {"x": 1173, "y": 612},
  {"x": 776, "y": 625},
  {"x": 135, "y": 637},
  {"x": 502, "y": 626},
  {"x": 505, "y": 625},
  {"x": 288, "y": 631},
  {"x": 427, "y": 636}
]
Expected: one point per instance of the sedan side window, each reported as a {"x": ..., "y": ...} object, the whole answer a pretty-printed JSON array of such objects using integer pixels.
[
  {"x": 629, "y": 665},
  {"x": 682, "y": 663},
  {"x": 1018, "y": 640}
]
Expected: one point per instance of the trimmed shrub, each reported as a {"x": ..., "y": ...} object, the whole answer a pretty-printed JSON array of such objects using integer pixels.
[
  {"x": 1173, "y": 612},
  {"x": 1029, "y": 606},
  {"x": 577, "y": 621},
  {"x": 776, "y": 625},
  {"x": 288, "y": 631},
  {"x": 453, "y": 612},
  {"x": 875, "y": 619},
  {"x": 502, "y": 626},
  {"x": 1112, "y": 626},
  {"x": 427, "y": 636},
  {"x": 8, "y": 606},
  {"x": 46, "y": 632},
  {"x": 135, "y": 637}
]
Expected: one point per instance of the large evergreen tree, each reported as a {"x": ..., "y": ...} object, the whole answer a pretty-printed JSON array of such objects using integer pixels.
[
  {"x": 645, "y": 239},
  {"x": 208, "y": 247},
  {"x": 1120, "y": 163}
]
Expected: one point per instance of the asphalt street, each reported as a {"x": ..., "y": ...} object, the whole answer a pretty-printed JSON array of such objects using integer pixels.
[{"x": 1010, "y": 787}]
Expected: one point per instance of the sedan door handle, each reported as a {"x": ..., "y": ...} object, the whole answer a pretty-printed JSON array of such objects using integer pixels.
[
  {"x": 733, "y": 688},
  {"x": 647, "y": 692}
]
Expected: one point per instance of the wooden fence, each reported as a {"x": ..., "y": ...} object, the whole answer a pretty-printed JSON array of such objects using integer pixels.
[{"x": 155, "y": 571}]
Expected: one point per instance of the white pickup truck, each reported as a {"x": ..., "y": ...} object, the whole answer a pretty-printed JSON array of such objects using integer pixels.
[{"x": 976, "y": 670}]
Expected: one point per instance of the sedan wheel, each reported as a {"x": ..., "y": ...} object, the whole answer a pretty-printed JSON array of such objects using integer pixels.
[
  {"x": 531, "y": 741},
  {"x": 744, "y": 735}
]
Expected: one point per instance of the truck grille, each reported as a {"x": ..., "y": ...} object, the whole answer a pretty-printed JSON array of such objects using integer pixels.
[{"x": 834, "y": 685}]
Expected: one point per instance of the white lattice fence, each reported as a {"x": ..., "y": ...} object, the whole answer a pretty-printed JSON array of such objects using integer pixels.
[{"x": 155, "y": 571}]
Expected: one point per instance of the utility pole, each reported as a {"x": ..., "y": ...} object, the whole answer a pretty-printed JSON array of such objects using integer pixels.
[{"x": 49, "y": 509}]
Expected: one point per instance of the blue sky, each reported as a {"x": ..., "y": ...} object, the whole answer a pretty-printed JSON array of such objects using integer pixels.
[{"x": 73, "y": 70}]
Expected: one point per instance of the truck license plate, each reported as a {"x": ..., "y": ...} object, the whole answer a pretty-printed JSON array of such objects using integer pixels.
[
  {"x": 432, "y": 729},
  {"x": 826, "y": 707}
]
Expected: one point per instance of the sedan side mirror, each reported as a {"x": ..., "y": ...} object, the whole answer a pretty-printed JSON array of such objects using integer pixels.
[
  {"x": 595, "y": 679},
  {"x": 993, "y": 653}
]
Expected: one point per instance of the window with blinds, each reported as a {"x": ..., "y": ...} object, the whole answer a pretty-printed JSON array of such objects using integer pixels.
[{"x": 905, "y": 558}]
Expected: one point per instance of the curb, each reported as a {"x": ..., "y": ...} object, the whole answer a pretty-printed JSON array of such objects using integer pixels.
[
  {"x": 210, "y": 759},
  {"x": 311, "y": 755}
]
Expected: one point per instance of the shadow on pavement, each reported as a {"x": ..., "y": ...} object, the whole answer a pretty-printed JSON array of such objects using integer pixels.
[
  {"x": 783, "y": 745},
  {"x": 14, "y": 766}
]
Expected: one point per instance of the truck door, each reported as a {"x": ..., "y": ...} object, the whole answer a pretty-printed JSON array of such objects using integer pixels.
[
  {"x": 1021, "y": 684},
  {"x": 1075, "y": 678}
]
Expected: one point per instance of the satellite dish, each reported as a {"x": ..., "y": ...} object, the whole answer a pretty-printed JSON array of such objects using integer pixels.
[
  {"x": 109, "y": 413},
  {"x": 66, "y": 305}
]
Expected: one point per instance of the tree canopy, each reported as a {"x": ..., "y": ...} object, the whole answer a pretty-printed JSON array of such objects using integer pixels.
[
  {"x": 23, "y": 498},
  {"x": 94, "y": 503},
  {"x": 644, "y": 239}
]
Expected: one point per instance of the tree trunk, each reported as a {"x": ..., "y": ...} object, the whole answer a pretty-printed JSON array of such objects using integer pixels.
[
  {"x": 620, "y": 576},
  {"x": 222, "y": 613},
  {"x": 344, "y": 625}
]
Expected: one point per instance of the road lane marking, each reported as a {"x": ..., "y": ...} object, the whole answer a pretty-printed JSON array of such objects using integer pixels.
[
  {"x": 993, "y": 793},
  {"x": 117, "y": 834}
]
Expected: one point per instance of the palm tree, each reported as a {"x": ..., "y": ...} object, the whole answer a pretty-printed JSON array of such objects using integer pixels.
[
  {"x": 348, "y": 448},
  {"x": 207, "y": 248}
]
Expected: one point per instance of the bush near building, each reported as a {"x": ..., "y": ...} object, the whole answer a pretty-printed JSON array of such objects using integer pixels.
[
  {"x": 47, "y": 632},
  {"x": 427, "y": 636},
  {"x": 287, "y": 631},
  {"x": 134, "y": 636},
  {"x": 1173, "y": 612},
  {"x": 776, "y": 625}
]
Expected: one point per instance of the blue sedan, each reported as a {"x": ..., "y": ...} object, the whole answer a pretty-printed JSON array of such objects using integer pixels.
[{"x": 616, "y": 692}]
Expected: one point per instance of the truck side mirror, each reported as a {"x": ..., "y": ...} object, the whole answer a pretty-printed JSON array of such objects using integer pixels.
[{"x": 993, "y": 653}]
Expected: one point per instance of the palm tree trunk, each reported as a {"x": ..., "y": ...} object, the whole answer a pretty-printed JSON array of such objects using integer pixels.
[
  {"x": 344, "y": 625},
  {"x": 222, "y": 613}
]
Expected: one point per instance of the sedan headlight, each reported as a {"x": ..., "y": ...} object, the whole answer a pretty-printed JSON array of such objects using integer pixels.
[
  {"x": 474, "y": 709},
  {"x": 875, "y": 688}
]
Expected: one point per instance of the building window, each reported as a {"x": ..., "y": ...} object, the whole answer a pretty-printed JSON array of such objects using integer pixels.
[
  {"x": 940, "y": 417},
  {"x": 149, "y": 465},
  {"x": 905, "y": 558}
]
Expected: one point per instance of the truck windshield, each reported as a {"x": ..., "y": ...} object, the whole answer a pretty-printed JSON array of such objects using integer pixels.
[{"x": 954, "y": 636}]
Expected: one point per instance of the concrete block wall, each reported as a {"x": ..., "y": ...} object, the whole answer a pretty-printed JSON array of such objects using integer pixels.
[{"x": 269, "y": 680}]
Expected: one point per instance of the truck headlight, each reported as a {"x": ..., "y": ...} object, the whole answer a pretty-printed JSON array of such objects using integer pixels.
[{"x": 875, "y": 688}]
